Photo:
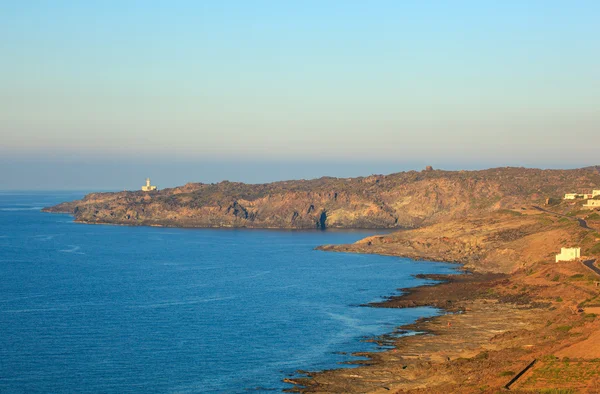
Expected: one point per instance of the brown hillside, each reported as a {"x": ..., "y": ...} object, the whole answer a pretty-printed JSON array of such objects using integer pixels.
[{"x": 403, "y": 200}]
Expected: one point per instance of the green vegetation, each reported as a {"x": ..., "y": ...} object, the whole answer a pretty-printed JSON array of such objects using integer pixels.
[
  {"x": 556, "y": 278},
  {"x": 593, "y": 216},
  {"x": 545, "y": 220},
  {"x": 592, "y": 301},
  {"x": 578, "y": 212},
  {"x": 564, "y": 328},
  {"x": 507, "y": 373},
  {"x": 559, "y": 299},
  {"x": 509, "y": 212},
  {"x": 572, "y": 376},
  {"x": 552, "y": 201},
  {"x": 530, "y": 271},
  {"x": 486, "y": 202},
  {"x": 577, "y": 278},
  {"x": 491, "y": 292},
  {"x": 595, "y": 249},
  {"x": 482, "y": 356}
]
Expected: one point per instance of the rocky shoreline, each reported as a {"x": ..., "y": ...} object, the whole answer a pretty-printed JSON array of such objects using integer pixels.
[
  {"x": 512, "y": 306},
  {"x": 490, "y": 329}
]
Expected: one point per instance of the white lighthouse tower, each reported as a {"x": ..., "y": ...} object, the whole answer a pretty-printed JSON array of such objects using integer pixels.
[{"x": 148, "y": 187}]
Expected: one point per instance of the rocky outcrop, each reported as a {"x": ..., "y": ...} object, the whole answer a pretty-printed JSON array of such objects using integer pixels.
[{"x": 403, "y": 200}]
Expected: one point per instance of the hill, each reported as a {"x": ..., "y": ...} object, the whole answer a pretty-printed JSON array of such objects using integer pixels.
[{"x": 403, "y": 200}]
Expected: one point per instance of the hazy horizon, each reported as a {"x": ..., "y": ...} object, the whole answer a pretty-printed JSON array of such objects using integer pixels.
[
  {"x": 103, "y": 94},
  {"x": 75, "y": 176}
]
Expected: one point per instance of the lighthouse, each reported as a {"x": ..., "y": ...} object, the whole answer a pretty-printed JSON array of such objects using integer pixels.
[{"x": 148, "y": 187}]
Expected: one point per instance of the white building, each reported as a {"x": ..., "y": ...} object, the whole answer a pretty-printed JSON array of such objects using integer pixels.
[
  {"x": 148, "y": 187},
  {"x": 591, "y": 204},
  {"x": 585, "y": 196},
  {"x": 568, "y": 254},
  {"x": 573, "y": 196}
]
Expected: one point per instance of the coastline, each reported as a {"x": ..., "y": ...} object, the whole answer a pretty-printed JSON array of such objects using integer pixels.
[
  {"x": 510, "y": 308},
  {"x": 376, "y": 231},
  {"x": 443, "y": 295},
  {"x": 492, "y": 326}
]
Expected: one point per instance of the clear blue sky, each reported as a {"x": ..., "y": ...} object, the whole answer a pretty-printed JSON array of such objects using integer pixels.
[{"x": 103, "y": 93}]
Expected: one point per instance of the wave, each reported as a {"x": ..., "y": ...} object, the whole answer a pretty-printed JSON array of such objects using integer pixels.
[
  {"x": 74, "y": 249},
  {"x": 179, "y": 303},
  {"x": 44, "y": 237}
]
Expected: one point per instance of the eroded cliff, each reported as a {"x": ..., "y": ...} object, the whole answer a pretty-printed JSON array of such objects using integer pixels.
[{"x": 403, "y": 200}]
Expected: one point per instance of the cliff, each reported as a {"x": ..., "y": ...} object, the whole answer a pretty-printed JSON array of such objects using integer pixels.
[{"x": 402, "y": 200}]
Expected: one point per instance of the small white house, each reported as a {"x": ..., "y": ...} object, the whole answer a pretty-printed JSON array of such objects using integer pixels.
[
  {"x": 148, "y": 187},
  {"x": 595, "y": 193},
  {"x": 568, "y": 254},
  {"x": 591, "y": 204}
]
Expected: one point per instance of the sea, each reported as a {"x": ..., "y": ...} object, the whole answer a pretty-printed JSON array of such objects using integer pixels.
[{"x": 117, "y": 309}]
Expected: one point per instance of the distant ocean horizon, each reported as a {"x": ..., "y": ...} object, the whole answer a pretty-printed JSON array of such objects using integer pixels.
[{"x": 119, "y": 309}]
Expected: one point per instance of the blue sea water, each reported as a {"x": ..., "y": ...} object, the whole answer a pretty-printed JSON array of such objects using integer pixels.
[{"x": 112, "y": 309}]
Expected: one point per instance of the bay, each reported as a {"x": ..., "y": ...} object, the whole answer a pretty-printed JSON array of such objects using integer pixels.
[{"x": 113, "y": 309}]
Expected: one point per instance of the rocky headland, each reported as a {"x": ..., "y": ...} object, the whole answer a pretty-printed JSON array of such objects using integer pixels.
[{"x": 397, "y": 201}]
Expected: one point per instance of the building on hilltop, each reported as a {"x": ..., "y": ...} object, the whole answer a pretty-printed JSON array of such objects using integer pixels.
[
  {"x": 148, "y": 187},
  {"x": 568, "y": 254},
  {"x": 591, "y": 204},
  {"x": 595, "y": 193},
  {"x": 585, "y": 196},
  {"x": 573, "y": 196}
]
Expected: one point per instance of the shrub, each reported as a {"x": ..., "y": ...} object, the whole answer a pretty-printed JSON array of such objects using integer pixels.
[
  {"x": 595, "y": 249},
  {"x": 564, "y": 328},
  {"x": 510, "y": 212},
  {"x": 482, "y": 356},
  {"x": 507, "y": 373},
  {"x": 578, "y": 277}
]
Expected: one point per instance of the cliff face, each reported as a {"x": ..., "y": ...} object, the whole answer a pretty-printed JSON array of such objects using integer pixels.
[{"x": 402, "y": 200}]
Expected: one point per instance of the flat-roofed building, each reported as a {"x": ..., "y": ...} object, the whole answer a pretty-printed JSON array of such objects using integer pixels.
[
  {"x": 592, "y": 204},
  {"x": 585, "y": 196},
  {"x": 568, "y": 254}
]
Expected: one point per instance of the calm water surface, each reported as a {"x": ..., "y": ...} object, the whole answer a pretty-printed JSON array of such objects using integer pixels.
[{"x": 113, "y": 309}]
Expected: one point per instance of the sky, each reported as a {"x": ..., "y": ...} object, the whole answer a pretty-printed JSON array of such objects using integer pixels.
[{"x": 101, "y": 94}]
